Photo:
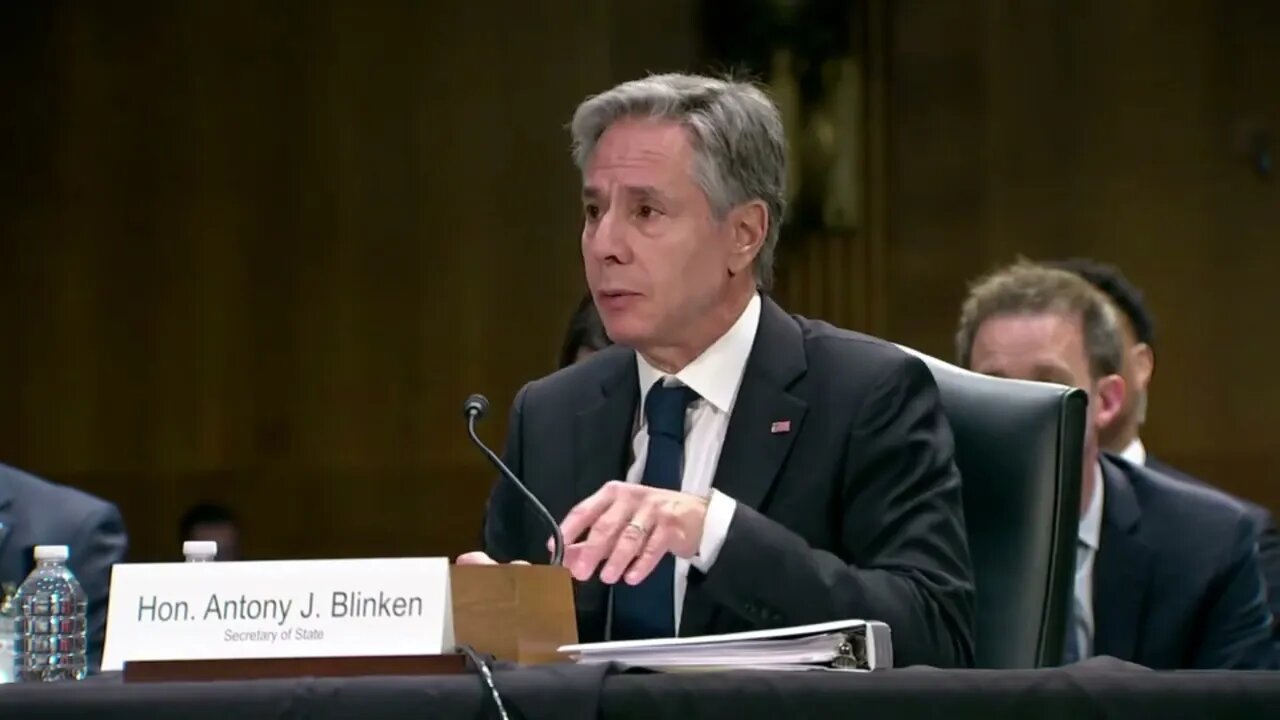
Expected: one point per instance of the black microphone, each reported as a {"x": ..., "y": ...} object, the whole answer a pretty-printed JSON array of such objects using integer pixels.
[{"x": 475, "y": 409}]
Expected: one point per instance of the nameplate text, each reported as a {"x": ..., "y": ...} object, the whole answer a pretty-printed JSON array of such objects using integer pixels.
[{"x": 303, "y": 608}]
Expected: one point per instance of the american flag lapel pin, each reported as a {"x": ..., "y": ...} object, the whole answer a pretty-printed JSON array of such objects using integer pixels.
[{"x": 780, "y": 426}]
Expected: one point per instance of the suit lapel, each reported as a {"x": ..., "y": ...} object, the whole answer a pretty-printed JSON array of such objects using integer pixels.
[
  {"x": 1121, "y": 571},
  {"x": 603, "y": 429},
  {"x": 765, "y": 422},
  {"x": 766, "y": 417},
  {"x": 602, "y": 451}
]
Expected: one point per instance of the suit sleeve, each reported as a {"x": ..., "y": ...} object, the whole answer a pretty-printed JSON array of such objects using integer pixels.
[
  {"x": 1237, "y": 629},
  {"x": 505, "y": 512},
  {"x": 1269, "y": 560},
  {"x": 100, "y": 543},
  {"x": 902, "y": 527}
]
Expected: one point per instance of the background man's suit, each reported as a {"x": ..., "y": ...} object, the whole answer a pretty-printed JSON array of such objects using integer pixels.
[
  {"x": 1176, "y": 580},
  {"x": 36, "y": 512},
  {"x": 853, "y": 512},
  {"x": 1268, "y": 540}
]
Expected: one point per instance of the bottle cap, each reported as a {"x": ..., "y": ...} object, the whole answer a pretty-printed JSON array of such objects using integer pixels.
[
  {"x": 200, "y": 548},
  {"x": 52, "y": 552}
]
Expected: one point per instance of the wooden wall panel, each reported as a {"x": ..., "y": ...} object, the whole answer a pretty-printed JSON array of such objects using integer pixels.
[
  {"x": 1085, "y": 127},
  {"x": 828, "y": 262},
  {"x": 261, "y": 252}
]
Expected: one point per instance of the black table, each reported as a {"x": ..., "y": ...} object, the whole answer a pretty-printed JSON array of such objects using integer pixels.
[{"x": 1089, "y": 690}]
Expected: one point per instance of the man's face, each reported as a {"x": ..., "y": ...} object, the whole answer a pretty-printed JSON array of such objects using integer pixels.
[
  {"x": 225, "y": 534},
  {"x": 656, "y": 258},
  {"x": 1048, "y": 347}
]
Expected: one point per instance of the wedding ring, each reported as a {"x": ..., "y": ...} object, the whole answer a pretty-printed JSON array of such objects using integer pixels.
[{"x": 643, "y": 530}]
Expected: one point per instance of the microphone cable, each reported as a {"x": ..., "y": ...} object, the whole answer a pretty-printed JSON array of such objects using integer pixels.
[{"x": 486, "y": 676}]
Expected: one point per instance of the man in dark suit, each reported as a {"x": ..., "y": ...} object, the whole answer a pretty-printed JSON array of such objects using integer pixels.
[
  {"x": 35, "y": 512},
  {"x": 1167, "y": 574},
  {"x": 1137, "y": 330},
  {"x": 727, "y": 466}
]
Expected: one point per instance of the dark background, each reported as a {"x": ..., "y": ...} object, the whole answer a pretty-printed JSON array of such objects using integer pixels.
[{"x": 260, "y": 251}]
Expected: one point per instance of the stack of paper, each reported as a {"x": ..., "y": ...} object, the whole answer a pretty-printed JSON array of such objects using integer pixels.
[{"x": 840, "y": 645}]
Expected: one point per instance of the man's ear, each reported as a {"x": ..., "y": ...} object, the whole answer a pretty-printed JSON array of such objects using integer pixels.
[
  {"x": 1143, "y": 359},
  {"x": 749, "y": 224},
  {"x": 1109, "y": 399}
]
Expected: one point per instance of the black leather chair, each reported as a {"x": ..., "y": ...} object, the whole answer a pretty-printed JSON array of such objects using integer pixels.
[{"x": 1019, "y": 447}]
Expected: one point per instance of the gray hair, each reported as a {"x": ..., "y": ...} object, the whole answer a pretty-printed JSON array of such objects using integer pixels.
[
  {"x": 736, "y": 132},
  {"x": 1027, "y": 288}
]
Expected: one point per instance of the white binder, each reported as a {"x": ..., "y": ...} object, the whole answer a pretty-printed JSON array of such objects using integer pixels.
[{"x": 840, "y": 645}]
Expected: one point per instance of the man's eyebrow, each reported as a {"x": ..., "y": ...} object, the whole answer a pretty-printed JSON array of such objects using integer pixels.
[
  {"x": 1054, "y": 373},
  {"x": 635, "y": 192},
  {"x": 644, "y": 192}
]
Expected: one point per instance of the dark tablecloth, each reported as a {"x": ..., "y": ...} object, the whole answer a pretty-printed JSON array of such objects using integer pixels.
[{"x": 1089, "y": 690}]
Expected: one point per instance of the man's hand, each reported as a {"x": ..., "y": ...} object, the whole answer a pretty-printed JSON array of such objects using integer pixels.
[
  {"x": 480, "y": 558},
  {"x": 629, "y": 527}
]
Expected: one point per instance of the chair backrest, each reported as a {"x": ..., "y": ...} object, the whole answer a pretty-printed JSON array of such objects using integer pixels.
[{"x": 1019, "y": 447}]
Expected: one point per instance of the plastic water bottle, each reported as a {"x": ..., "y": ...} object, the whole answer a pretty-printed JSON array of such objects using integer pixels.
[
  {"x": 200, "y": 550},
  {"x": 50, "y": 607}
]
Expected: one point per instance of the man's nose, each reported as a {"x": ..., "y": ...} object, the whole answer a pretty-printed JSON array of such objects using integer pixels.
[{"x": 607, "y": 240}]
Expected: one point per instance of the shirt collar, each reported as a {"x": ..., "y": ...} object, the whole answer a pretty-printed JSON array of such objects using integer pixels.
[
  {"x": 1136, "y": 453},
  {"x": 716, "y": 374},
  {"x": 1090, "y": 531}
]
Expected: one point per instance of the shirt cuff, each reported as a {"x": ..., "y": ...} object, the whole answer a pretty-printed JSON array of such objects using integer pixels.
[{"x": 715, "y": 528}]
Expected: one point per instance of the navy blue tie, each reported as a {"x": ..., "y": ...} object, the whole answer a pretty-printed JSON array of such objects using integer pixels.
[{"x": 647, "y": 610}]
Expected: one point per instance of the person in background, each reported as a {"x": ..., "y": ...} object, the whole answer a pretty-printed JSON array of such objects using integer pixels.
[
  {"x": 1167, "y": 573},
  {"x": 721, "y": 435},
  {"x": 211, "y": 521},
  {"x": 586, "y": 335},
  {"x": 1138, "y": 332},
  {"x": 37, "y": 512}
]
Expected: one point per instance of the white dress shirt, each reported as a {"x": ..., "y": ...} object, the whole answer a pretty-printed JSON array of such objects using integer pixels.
[
  {"x": 1135, "y": 453},
  {"x": 715, "y": 375},
  {"x": 1089, "y": 536}
]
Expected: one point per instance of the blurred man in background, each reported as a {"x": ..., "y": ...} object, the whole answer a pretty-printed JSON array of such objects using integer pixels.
[
  {"x": 585, "y": 336},
  {"x": 213, "y": 522},
  {"x": 1167, "y": 574},
  {"x": 37, "y": 512},
  {"x": 1138, "y": 333}
]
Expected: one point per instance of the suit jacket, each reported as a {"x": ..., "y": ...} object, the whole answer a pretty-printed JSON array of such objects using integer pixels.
[
  {"x": 36, "y": 512},
  {"x": 853, "y": 513},
  {"x": 1176, "y": 579},
  {"x": 1268, "y": 540}
]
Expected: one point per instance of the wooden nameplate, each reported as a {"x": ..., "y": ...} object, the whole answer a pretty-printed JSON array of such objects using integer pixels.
[
  {"x": 516, "y": 613},
  {"x": 276, "y": 668}
]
